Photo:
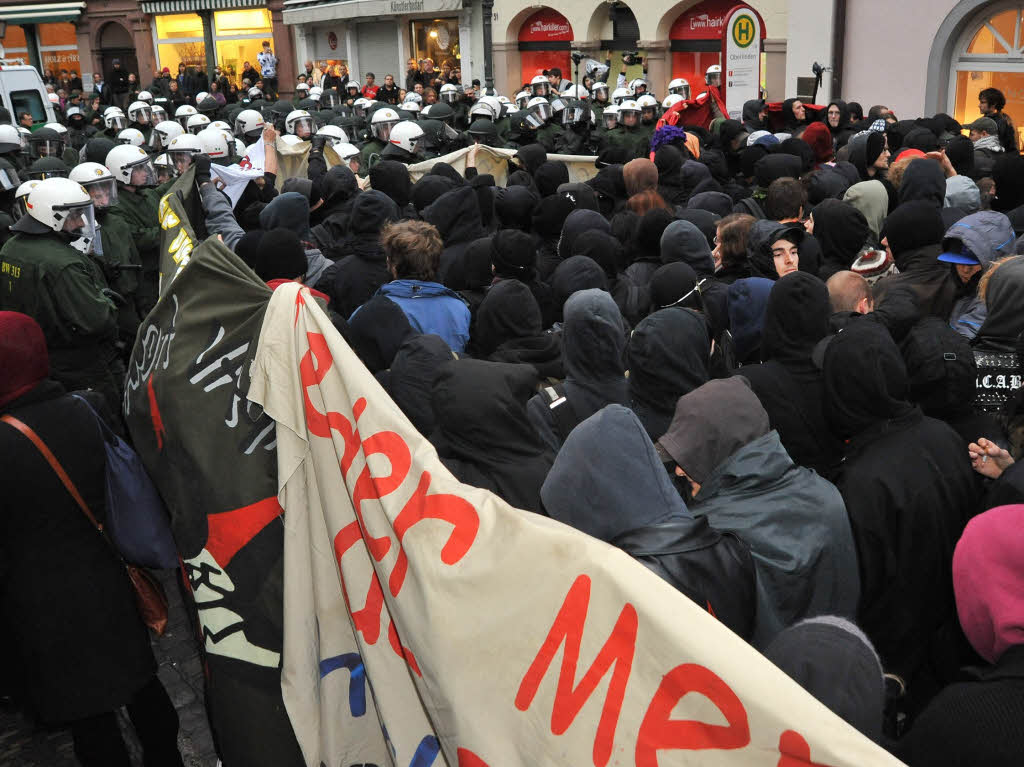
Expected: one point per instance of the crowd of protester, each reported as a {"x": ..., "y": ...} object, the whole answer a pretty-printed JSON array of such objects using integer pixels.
[{"x": 775, "y": 359}]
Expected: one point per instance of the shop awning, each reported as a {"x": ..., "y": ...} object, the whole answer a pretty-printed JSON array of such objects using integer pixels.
[
  {"x": 190, "y": 6},
  {"x": 309, "y": 11},
  {"x": 41, "y": 13}
]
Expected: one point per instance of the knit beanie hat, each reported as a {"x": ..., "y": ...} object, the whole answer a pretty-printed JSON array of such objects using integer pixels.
[
  {"x": 819, "y": 137},
  {"x": 24, "y": 359}
]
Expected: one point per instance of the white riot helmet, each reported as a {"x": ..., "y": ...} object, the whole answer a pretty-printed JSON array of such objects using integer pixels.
[
  {"x": 449, "y": 93},
  {"x": 382, "y": 122},
  {"x": 200, "y": 96},
  {"x": 21, "y": 196},
  {"x": 113, "y": 110},
  {"x": 254, "y": 93},
  {"x": 196, "y": 123},
  {"x": 541, "y": 107},
  {"x": 59, "y": 128},
  {"x": 132, "y": 136},
  {"x": 411, "y": 107},
  {"x": 619, "y": 95},
  {"x": 648, "y": 106},
  {"x": 239, "y": 148},
  {"x": 217, "y": 144},
  {"x": 361, "y": 106},
  {"x": 599, "y": 91},
  {"x": 115, "y": 121},
  {"x": 495, "y": 104},
  {"x": 346, "y": 151},
  {"x": 302, "y": 87},
  {"x": 316, "y": 92},
  {"x": 182, "y": 113},
  {"x": 164, "y": 168},
  {"x": 249, "y": 123},
  {"x": 679, "y": 87},
  {"x": 575, "y": 92},
  {"x": 131, "y": 165},
  {"x": 483, "y": 109},
  {"x": 181, "y": 150},
  {"x": 159, "y": 114},
  {"x": 62, "y": 205},
  {"x": 140, "y": 112},
  {"x": 713, "y": 75},
  {"x": 522, "y": 99},
  {"x": 638, "y": 86},
  {"x": 335, "y": 135},
  {"x": 146, "y": 97},
  {"x": 221, "y": 124},
  {"x": 408, "y": 136},
  {"x": 163, "y": 133},
  {"x": 98, "y": 182},
  {"x": 627, "y": 108},
  {"x": 300, "y": 123},
  {"x": 539, "y": 86},
  {"x": 10, "y": 139},
  {"x": 610, "y": 116},
  {"x": 671, "y": 100},
  {"x": 413, "y": 97}
]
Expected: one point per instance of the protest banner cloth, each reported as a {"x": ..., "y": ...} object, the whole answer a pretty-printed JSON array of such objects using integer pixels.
[
  {"x": 212, "y": 456},
  {"x": 234, "y": 178},
  {"x": 427, "y": 622}
]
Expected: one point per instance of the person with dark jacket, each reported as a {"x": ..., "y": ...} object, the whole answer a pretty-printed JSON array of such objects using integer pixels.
[
  {"x": 513, "y": 257},
  {"x": 363, "y": 268},
  {"x": 483, "y": 436},
  {"x": 741, "y": 479},
  {"x": 340, "y": 188},
  {"x": 1008, "y": 175},
  {"x": 633, "y": 300},
  {"x": 509, "y": 329},
  {"x": 410, "y": 379},
  {"x": 913, "y": 235},
  {"x": 377, "y": 331},
  {"x": 647, "y": 245},
  {"x": 513, "y": 207},
  {"x": 456, "y": 214},
  {"x": 574, "y": 274},
  {"x": 548, "y": 219},
  {"x": 68, "y": 608},
  {"x": 669, "y": 162},
  {"x": 668, "y": 356},
  {"x": 788, "y": 383},
  {"x": 977, "y": 719},
  {"x": 905, "y": 521},
  {"x": 754, "y": 112},
  {"x": 626, "y": 498},
  {"x": 842, "y": 231},
  {"x": 593, "y": 350}
]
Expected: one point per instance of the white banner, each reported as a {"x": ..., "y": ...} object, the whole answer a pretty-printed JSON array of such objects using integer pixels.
[
  {"x": 429, "y": 623},
  {"x": 235, "y": 177}
]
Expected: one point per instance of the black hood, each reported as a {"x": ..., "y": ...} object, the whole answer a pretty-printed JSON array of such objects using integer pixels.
[
  {"x": 826, "y": 183},
  {"x": 428, "y": 189},
  {"x": 339, "y": 185},
  {"x": 532, "y": 156},
  {"x": 289, "y": 210},
  {"x": 844, "y": 118},
  {"x": 550, "y": 214},
  {"x": 910, "y": 227},
  {"x": 609, "y": 182},
  {"x": 445, "y": 170},
  {"x": 549, "y": 175},
  {"x": 593, "y": 349},
  {"x": 865, "y": 379},
  {"x": 694, "y": 173},
  {"x": 799, "y": 148},
  {"x": 575, "y": 273},
  {"x": 576, "y": 223},
  {"x": 683, "y": 241},
  {"x": 604, "y": 249},
  {"x": 796, "y": 318},
  {"x": 668, "y": 355},
  {"x": 580, "y": 194},
  {"x": 647, "y": 240},
  {"x": 704, "y": 220},
  {"x": 670, "y": 283},
  {"x": 392, "y": 178},
  {"x": 842, "y": 231},
  {"x": 1004, "y": 298},
  {"x": 514, "y": 207},
  {"x": 371, "y": 211},
  {"x": 376, "y": 332},
  {"x": 776, "y": 166},
  {"x": 718, "y": 203},
  {"x": 508, "y": 312},
  {"x": 411, "y": 379},
  {"x": 789, "y": 120},
  {"x": 751, "y": 111},
  {"x": 669, "y": 161},
  {"x": 456, "y": 214},
  {"x": 1008, "y": 173},
  {"x": 923, "y": 180},
  {"x": 759, "y": 244},
  {"x": 471, "y": 269}
]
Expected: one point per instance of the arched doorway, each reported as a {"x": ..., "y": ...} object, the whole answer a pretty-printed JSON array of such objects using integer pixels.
[
  {"x": 544, "y": 42},
  {"x": 695, "y": 40},
  {"x": 990, "y": 54},
  {"x": 115, "y": 42}
]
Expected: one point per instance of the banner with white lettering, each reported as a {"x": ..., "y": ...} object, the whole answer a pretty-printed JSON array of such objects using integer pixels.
[{"x": 427, "y": 622}]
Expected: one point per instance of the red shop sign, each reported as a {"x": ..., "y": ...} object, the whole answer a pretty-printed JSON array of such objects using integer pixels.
[
  {"x": 546, "y": 25},
  {"x": 705, "y": 21}
]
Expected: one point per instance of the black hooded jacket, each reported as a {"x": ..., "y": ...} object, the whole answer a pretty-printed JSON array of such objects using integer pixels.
[
  {"x": 909, "y": 491},
  {"x": 392, "y": 178},
  {"x": 514, "y": 206},
  {"x": 1003, "y": 328},
  {"x": 842, "y": 231},
  {"x": 377, "y": 332},
  {"x": 456, "y": 214},
  {"x": 357, "y": 276},
  {"x": 751, "y": 119},
  {"x": 483, "y": 436},
  {"x": 626, "y": 497},
  {"x": 509, "y": 329},
  {"x": 669, "y": 162},
  {"x": 789, "y": 385},
  {"x": 633, "y": 300},
  {"x": 410, "y": 380},
  {"x": 340, "y": 189},
  {"x": 668, "y": 356}
]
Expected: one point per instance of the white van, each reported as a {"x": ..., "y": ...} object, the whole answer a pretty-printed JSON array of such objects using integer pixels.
[{"x": 22, "y": 90}]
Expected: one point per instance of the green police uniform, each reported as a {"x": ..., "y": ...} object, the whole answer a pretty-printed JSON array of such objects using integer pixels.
[
  {"x": 138, "y": 211},
  {"x": 370, "y": 148},
  {"x": 117, "y": 251},
  {"x": 635, "y": 140},
  {"x": 61, "y": 289},
  {"x": 548, "y": 137}
]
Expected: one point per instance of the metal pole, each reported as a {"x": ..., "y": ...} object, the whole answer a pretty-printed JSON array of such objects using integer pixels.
[
  {"x": 487, "y": 7},
  {"x": 208, "y": 44}
]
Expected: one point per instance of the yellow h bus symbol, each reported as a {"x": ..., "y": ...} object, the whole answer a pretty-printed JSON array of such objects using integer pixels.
[{"x": 743, "y": 31}]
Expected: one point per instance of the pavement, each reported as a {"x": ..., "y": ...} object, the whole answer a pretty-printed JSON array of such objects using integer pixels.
[{"x": 25, "y": 743}]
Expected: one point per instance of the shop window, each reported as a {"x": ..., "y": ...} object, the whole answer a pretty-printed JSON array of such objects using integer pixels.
[
  {"x": 189, "y": 54},
  {"x": 254, "y": 21},
  {"x": 179, "y": 25},
  {"x": 544, "y": 42},
  {"x": 991, "y": 56},
  {"x": 232, "y": 55},
  {"x": 437, "y": 40},
  {"x": 14, "y": 38}
]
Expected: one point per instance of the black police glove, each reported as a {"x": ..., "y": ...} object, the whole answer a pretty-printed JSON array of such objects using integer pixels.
[
  {"x": 202, "y": 166},
  {"x": 317, "y": 143}
]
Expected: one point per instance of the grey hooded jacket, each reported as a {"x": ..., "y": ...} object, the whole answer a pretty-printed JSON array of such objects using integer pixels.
[{"x": 989, "y": 236}]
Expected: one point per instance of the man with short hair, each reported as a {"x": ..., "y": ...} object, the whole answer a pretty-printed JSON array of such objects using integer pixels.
[
  {"x": 785, "y": 203},
  {"x": 987, "y": 145},
  {"x": 25, "y": 120},
  {"x": 388, "y": 93},
  {"x": 849, "y": 293},
  {"x": 554, "y": 76},
  {"x": 314, "y": 76},
  {"x": 369, "y": 90},
  {"x": 413, "y": 251},
  {"x": 991, "y": 103}
]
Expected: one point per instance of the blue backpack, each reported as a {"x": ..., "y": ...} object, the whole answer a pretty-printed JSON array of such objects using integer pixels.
[{"x": 137, "y": 520}]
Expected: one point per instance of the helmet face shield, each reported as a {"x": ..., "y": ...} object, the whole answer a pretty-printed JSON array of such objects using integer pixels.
[
  {"x": 304, "y": 127},
  {"x": 78, "y": 220},
  {"x": 143, "y": 115},
  {"x": 382, "y": 130},
  {"x": 681, "y": 90},
  {"x": 48, "y": 148},
  {"x": 543, "y": 111},
  {"x": 9, "y": 179},
  {"x": 143, "y": 174},
  {"x": 116, "y": 122},
  {"x": 103, "y": 193},
  {"x": 540, "y": 89},
  {"x": 181, "y": 161},
  {"x": 329, "y": 99},
  {"x": 449, "y": 97},
  {"x": 533, "y": 120},
  {"x": 572, "y": 115},
  {"x": 611, "y": 119},
  {"x": 156, "y": 140},
  {"x": 647, "y": 114}
]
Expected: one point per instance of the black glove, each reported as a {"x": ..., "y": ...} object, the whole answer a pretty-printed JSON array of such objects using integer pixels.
[
  {"x": 202, "y": 166},
  {"x": 317, "y": 143}
]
